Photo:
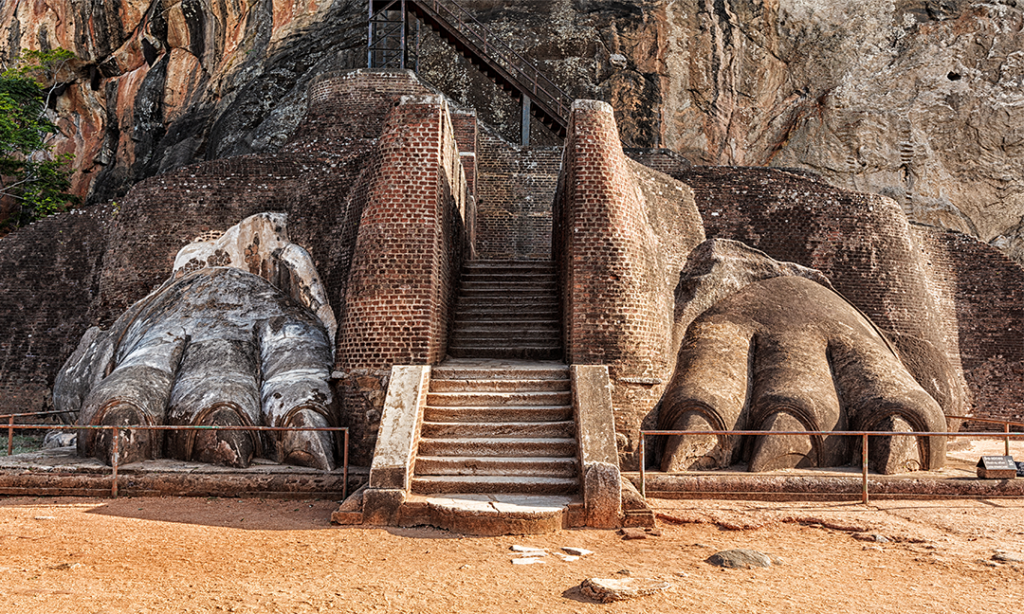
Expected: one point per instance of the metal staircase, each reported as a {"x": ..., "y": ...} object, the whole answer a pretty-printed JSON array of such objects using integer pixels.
[{"x": 389, "y": 47}]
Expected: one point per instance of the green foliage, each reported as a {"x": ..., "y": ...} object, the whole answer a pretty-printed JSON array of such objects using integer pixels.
[{"x": 30, "y": 177}]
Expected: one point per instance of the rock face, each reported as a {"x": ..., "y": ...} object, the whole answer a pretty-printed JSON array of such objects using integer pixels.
[{"x": 918, "y": 100}]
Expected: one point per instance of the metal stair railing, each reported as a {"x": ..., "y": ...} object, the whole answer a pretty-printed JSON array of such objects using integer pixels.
[{"x": 505, "y": 63}]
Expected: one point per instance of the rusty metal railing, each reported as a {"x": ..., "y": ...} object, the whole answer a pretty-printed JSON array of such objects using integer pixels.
[
  {"x": 529, "y": 78},
  {"x": 115, "y": 438},
  {"x": 1005, "y": 423},
  {"x": 864, "y": 435}
]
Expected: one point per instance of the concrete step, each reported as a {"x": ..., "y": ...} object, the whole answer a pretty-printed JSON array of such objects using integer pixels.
[
  {"x": 478, "y": 430},
  {"x": 499, "y": 446},
  {"x": 535, "y": 371},
  {"x": 541, "y": 466},
  {"x": 550, "y": 352},
  {"x": 500, "y": 385},
  {"x": 549, "y": 413},
  {"x": 492, "y": 399},
  {"x": 472, "y": 484}
]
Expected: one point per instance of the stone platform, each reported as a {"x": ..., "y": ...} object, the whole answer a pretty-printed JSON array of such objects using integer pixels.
[
  {"x": 958, "y": 479},
  {"x": 59, "y": 472},
  {"x": 495, "y": 514}
]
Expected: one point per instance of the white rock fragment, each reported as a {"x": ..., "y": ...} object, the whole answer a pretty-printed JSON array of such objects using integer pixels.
[
  {"x": 576, "y": 551},
  {"x": 568, "y": 558},
  {"x": 527, "y": 560},
  {"x": 529, "y": 550}
]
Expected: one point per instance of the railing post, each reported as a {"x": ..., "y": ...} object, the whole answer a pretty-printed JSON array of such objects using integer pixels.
[
  {"x": 10, "y": 436},
  {"x": 864, "y": 468},
  {"x": 643, "y": 476},
  {"x": 1006, "y": 429},
  {"x": 344, "y": 486},
  {"x": 115, "y": 452}
]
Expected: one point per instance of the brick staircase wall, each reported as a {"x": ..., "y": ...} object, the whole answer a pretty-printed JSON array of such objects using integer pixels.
[
  {"x": 622, "y": 233},
  {"x": 515, "y": 191}
]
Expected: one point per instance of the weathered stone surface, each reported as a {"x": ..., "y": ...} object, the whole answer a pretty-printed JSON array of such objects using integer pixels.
[
  {"x": 741, "y": 558},
  {"x": 918, "y": 100},
  {"x": 608, "y": 590},
  {"x": 259, "y": 244},
  {"x": 398, "y": 438},
  {"x": 787, "y": 354},
  {"x": 212, "y": 346},
  {"x": 599, "y": 458}
]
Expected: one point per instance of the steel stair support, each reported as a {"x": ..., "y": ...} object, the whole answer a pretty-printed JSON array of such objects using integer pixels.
[{"x": 388, "y": 44}]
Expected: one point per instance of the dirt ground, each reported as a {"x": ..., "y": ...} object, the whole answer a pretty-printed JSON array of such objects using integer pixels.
[{"x": 137, "y": 555}]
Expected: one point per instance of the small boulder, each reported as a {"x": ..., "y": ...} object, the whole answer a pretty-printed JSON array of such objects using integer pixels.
[
  {"x": 607, "y": 590},
  {"x": 741, "y": 558}
]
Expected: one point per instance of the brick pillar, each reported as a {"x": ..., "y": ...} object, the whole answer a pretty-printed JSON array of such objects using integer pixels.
[{"x": 408, "y": 249}]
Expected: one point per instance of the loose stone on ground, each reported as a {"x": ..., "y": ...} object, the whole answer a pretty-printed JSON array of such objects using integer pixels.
[
  {"x": 742, "y": 558},
  {"x": 607, "y": 590}
]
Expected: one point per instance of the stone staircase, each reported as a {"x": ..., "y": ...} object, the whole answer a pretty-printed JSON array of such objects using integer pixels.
[
  {"x": 492, "y": 430},
  {"x": 507, "y": 309}
]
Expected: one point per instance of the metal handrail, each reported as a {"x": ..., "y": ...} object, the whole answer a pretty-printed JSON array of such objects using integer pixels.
[
  {"x": 504, "y": 56},
  {"x": 1006, "y": 425},
  {"x": 864, "y": 446},
  {"x": 115, "y": 438}
]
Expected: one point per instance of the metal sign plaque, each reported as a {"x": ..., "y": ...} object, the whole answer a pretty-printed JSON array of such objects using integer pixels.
[{"x": 997, "y": 467}]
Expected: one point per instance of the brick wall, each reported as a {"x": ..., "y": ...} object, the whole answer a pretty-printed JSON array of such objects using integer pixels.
[
  {"x": 988, "y": 290},
  {"x": 515, "y": 190},
  {"x": 408, "y": 253},
  {"x": 49, "y": 278},
  {"x": 662, "y": 160},
  {"x": 622, "y": 233}
]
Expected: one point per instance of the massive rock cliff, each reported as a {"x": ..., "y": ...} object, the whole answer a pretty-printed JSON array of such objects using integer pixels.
[{"x": 919, "y": 100}]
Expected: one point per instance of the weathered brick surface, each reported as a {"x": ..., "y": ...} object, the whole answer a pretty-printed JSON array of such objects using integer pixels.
[
  {"x": 515, "y": 191},
  {"x": 988, "y": 289},
  {"x": 622, "y": 235},
  {"x": 50, "y": 276},
  {"x": 410, "y": 242}
]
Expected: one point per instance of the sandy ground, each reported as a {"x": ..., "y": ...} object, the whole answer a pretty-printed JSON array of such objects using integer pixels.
[{"x": 251, "y": 555}]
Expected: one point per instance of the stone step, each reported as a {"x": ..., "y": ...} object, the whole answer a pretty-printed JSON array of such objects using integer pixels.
[
  {"x": 513, "y": 324},
  {"x": 498, "y": 292},
  {"x": 501, "y": 385},
  {"x": 503, "y": 313},
  {"x": 523, "y": 371},
  {"x": 511, "y": 337},
  {"x": 499, "y": 446},
  {"x": 472, "y": 484},
  {"x": 501, "y": 277},
  {"x": 477, "y": 430},
  {"x": 547, "y": 352},
  {"x": 491, "y": 399},
  {"x": 495, "y": 513},
  {"x": 549, "y": 413},
  {"x": 489, "y": 283},
  {"x": 506, "y": 266},
  {"x": 541, "y": 466},
  {"x": 521, "y": 300}
]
